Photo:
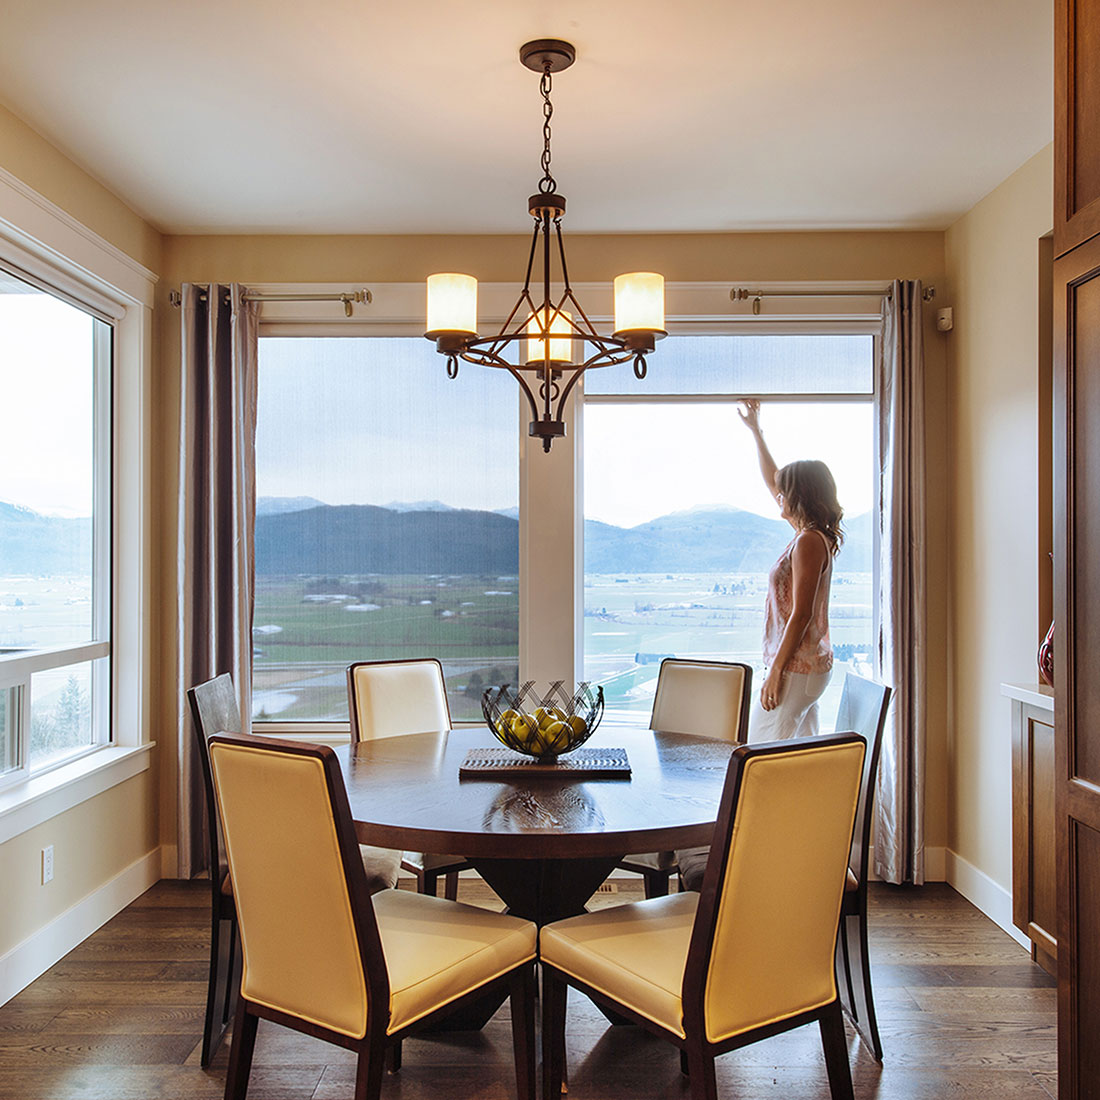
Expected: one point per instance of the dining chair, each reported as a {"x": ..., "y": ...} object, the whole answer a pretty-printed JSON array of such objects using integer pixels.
[
  {"x": 214, "y": 709},
  {"x": 325, "y": 957},
  {"x": 392, "y": 698},
  {"x": 706, "y": 698},
  {"x": 750, "y": 956},
  {"x": 863, "y": 707}
]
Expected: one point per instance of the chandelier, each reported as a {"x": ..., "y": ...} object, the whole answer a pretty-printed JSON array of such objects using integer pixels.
[{"x": 552, "y": 339}]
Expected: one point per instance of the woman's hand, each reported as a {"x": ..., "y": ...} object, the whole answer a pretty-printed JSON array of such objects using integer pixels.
[
  {"x": 750, "y": 414},
  {"x": 772, "y": 689}
]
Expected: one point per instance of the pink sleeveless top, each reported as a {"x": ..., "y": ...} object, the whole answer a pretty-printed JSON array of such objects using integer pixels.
[{"x": 815, "y": 653}]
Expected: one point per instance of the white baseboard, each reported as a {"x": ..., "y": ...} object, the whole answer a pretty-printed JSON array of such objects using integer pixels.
[
  {"x": 36, "y": 954},
  {"x": 984, "y": 893}
]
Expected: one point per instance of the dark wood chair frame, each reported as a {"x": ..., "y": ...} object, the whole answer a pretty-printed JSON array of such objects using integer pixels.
[
  {"x": 863, "y": 707},
  {"x": 427, "y": 880},
  {"x": 697, "y": 1054},
  {"x": 376, "y": 1045},
  {"x": 214, "y": 709},
  {"x": 656, "y": 879}
]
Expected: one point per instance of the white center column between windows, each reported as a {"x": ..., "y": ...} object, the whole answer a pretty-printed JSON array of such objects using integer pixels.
[{"x": 551, "y": 552}]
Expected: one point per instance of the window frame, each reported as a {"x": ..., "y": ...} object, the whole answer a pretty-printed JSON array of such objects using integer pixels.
[
  {"x": 46, "y": 243},
  {"x": 19, "y": 665}
]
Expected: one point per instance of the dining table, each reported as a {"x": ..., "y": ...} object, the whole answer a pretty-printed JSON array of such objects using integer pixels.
[{"x": 544, "y": 839}]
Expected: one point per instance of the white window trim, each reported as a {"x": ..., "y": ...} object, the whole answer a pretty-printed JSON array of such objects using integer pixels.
[{"x": 52, "y": 246}]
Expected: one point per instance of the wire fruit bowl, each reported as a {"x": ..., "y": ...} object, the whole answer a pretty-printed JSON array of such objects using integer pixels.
[{"x": 542, "y": 726}]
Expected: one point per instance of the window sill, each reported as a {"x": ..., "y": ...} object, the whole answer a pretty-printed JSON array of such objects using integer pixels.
[{"x": 42, "y": 797}]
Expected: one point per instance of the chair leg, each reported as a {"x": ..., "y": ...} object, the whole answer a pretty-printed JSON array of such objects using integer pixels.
[
  {"x": 218, "y": 989},
  {"x": 867, "y": 1009},
  {"x": 393, "y": 1057},
  {"x": 523, "y": 1030},
  {"x": 427, "y": 882},
  {"x": 240, "y": 1052},
  {"x": 656, "y": 883},
  {"x": 554, "y": 993},
  {"x": 835, "y": 1046},
  {"x": 368, "y": 1070},
  {"x": 701, "y": 1076},
  {"x": 450, "y": 886},
  {"x": 233, "y": 979}
]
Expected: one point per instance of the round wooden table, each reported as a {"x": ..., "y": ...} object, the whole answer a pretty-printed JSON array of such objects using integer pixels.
[{"x": 543, "y": 843}]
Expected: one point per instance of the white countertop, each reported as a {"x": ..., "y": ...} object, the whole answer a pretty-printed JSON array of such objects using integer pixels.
[{"x": 1036, "y": 694}]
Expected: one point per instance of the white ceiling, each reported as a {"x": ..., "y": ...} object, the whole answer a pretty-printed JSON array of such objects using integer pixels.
[{"x": 335, "y": 116}]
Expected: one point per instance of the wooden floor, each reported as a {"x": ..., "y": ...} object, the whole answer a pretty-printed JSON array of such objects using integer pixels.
[{"x": 963, "y": 1011}]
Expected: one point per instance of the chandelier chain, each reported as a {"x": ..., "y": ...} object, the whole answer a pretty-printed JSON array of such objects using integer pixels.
[{"x": 547, "y": 184}]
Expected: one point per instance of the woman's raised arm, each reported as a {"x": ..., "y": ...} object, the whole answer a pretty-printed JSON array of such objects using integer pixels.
[{"x": 750, "y": 417}]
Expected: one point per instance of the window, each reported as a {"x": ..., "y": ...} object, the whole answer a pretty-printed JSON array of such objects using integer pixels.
[
  {"x": 387, "y": 521},
  {"x": 55, "y": 508},
  {"x": 680, "y": 532}
]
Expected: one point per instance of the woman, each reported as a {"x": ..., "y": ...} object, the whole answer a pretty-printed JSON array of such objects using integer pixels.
[{"x": 797, "y": 653}]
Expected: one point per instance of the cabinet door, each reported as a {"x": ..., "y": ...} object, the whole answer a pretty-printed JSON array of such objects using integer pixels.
[
  {"x": 1076, "y": 123},
  {"x": 1077, "y": 685},
  {"x": 1034, "y": 886}
]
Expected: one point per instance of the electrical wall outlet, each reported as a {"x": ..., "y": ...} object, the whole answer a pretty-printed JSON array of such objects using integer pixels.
[{"x": 47, "y": 864}]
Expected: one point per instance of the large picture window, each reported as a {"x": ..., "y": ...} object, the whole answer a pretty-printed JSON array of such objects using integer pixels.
[
  {"x": 55, "y": 509},
  {"x": 387, "y": 522},
  {"x": 680, "y": 532}
]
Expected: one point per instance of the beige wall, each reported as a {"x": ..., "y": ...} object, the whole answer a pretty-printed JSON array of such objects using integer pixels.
[
  {"x": 38, "y": 164},
  {"x": 993, "y": 371},
  {"x": 93, "y": 844},
  {"x": 738, "y": 258}
]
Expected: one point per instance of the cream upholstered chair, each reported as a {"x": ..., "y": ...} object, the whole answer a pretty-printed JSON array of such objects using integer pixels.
[
  {"x": 391, "y": 698},
  {"x": 706, "y": 698},
  {"x": 321, "y": 954},
  {"x": 214, "y": 709},
  {"x": 750, "y": 956},
  {"x": 863, "y": 707}
]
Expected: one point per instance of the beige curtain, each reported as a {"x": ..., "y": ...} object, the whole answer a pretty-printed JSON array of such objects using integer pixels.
[
  {"x": 217, "y": 509},
  {"x": 899, "y": 824}
]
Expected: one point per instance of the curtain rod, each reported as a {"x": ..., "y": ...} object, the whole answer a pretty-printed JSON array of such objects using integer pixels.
[
  {"x": 740, "y": 294},
  {"x": 360, "y": 297}
]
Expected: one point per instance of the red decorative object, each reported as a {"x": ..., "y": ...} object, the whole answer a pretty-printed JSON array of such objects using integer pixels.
[{"x": 1046, "y": 657}]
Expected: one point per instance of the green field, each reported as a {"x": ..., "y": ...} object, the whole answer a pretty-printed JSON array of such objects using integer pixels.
[{"x": 309, "y": 629}]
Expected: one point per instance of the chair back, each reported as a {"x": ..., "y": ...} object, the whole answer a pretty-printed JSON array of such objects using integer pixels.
[
  {"x": 391, "y": 698},
  {"x": 214, "y": 709},
  {"x": 707, "y": 698},
  {"x": 308, "y": 934},
  {"x": 863, "y": 707},
  {"x": 766, "y": 925}
]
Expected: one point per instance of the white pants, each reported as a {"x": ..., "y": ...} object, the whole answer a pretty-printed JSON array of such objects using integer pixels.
[{"x": 795, "y": 715}]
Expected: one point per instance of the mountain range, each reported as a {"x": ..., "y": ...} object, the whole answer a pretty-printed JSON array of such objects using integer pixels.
[
  {"x": 31, "y": 543},
  {"x": 361, "y": 538},
  {"x": 304, "y": 535}
]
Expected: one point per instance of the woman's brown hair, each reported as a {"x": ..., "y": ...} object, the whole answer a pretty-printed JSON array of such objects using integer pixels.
[{"x": 809, "y": 492}]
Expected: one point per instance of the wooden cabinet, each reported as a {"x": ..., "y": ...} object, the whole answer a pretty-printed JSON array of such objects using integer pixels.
[
  {"x": 1077, "y": 123},
  {"x": 1034, "y": 866}
]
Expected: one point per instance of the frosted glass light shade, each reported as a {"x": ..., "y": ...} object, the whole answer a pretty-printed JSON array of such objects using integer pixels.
[
  {"x": 561, "y": 350},
  {"x": 640, "y": 302},
  {"x": 452, "y": 304}
]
